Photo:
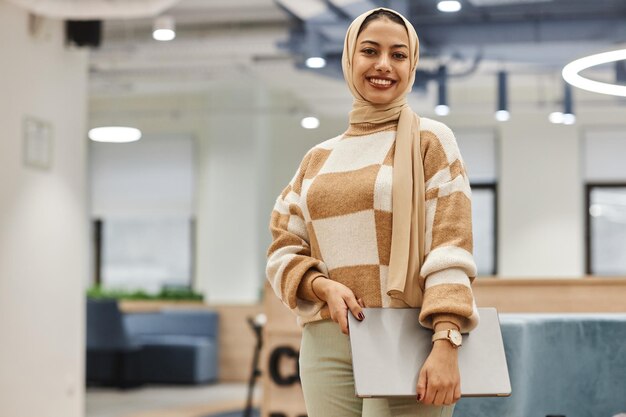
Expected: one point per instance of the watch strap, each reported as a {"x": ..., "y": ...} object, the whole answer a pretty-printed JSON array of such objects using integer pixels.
[{"x": 446, "y": 334}]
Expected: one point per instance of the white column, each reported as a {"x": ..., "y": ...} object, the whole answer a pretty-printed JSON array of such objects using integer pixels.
[
  {"x": 540, "y": 196},
  {"x": 43, "y": 222},
  {"x": 230, "y": 183}
]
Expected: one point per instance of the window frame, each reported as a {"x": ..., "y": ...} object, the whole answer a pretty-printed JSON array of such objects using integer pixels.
[
  {"x": 492, "y": 186},
  {"x": 589, "y": 187}
]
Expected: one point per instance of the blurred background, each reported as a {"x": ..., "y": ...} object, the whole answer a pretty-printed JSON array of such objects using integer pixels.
[{"x": 132, "y": 268}]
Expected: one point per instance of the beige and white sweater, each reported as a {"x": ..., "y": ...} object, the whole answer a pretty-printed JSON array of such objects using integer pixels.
[{"x": 334, "y": 219}]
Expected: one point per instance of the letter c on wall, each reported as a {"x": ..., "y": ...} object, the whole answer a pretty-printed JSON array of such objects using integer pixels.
[{"x": 274, "y": 366}]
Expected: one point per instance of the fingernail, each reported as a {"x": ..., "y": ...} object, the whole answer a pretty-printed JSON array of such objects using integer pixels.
[
  {"x": 419, "y": 397},
  {"x": 361, "y": 316}
]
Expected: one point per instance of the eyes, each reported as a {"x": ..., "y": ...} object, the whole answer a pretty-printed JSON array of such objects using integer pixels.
[{"x": 400, "y": 56}]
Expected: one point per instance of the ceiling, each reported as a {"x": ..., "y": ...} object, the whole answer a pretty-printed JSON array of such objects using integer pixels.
[{"x": 221, "y": 41}]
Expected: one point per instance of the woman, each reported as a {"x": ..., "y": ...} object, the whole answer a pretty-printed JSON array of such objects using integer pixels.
[{"x": 379, "y": 216}]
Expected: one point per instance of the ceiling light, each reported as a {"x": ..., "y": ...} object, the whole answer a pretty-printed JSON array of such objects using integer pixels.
[
  {"x": 310, "y": 122},
  {"x": 502, "y": 112},
  {"x": 448, "y": 6},
  {"x": 566, "y": 117},
  {"x": 503, "y": 115},
  {"x": 569, "y": 119},
  {"x": 442, "y": 110},
  {"x": 571, "y": 73},
  {"x": 556, "y": 117},
  {"x": 315, "y": 62},
  {"x": 163, "y": 29},
  {"x": 114, "y": 134},
  {"x": 568, "y": 106}
]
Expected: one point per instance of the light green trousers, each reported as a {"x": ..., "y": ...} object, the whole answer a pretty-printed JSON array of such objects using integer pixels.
[{"x": 328, "y": 383}]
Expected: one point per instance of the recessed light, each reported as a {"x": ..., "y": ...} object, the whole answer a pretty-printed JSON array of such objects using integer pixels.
[
  {"x": 310, "y": 122},
  {"x": 163, "y": 28},
  {"x": 449, "y": 6},
  {"x": 114, "y": 134},
  {"x": 315, "y": 62}
]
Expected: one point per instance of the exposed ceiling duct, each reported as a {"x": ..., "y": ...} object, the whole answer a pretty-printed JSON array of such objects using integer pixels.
[
  {"x": 481, "y": 3},
  {"x": 225, "y": 40},
  {"x": 546, "y": 33},
  {"x": 95, "y": 9}
]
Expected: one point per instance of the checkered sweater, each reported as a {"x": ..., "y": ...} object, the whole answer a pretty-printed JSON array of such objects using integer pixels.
[{"x": 334, "y": 220}]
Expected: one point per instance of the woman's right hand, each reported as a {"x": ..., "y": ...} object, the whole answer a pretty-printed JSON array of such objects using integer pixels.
[{"x": 340, "y": 299}]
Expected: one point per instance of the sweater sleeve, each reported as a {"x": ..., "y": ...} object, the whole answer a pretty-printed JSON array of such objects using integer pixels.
[
  {"x": 291, "y": 269},
  {"x": 449, "y": 268}
]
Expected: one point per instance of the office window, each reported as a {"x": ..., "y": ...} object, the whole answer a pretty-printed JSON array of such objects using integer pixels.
[
  {"x": 148, "y": 253},
  {"x": 605, "y": 203},
  {"x": 143, "y": 205},
  {"x": 606, "y": 229},
  {"x": 484, "y": 222},
  {"x": 479, "y": 149}
]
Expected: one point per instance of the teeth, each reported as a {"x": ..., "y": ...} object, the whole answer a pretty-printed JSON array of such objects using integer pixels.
[{"x": 380, "y": 82}]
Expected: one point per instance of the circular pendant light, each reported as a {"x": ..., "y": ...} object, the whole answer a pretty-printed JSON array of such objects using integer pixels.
[{"x": 571, "y": 73}]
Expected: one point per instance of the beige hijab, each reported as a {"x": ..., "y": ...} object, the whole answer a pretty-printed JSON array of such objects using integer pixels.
[{"x": 407, "y": 241}]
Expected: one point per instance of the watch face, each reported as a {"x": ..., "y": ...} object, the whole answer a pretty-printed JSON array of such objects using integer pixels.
[{"x": 456, "y": 338}]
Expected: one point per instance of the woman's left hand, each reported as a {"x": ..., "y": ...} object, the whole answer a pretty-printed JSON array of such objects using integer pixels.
[{"x": 439, "y": 381}]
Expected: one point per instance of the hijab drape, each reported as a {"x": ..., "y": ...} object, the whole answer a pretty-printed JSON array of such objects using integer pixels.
[{"x": 408, "y": 204}]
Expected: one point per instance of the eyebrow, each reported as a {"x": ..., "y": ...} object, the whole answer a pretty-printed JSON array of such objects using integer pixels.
[{"x": 400, "y": 45}]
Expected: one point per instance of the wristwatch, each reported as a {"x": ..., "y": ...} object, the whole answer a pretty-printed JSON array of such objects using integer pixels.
[{"x": 453, "y": 336}]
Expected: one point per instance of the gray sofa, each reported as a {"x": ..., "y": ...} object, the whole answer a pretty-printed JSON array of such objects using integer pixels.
[{"x": 178, "y": 346}]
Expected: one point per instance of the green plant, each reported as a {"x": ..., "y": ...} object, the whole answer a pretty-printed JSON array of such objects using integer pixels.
[{"x": 98, "y": 292}]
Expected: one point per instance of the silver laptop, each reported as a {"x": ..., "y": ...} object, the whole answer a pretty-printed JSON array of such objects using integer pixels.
[{"x": 396, "y": 335}]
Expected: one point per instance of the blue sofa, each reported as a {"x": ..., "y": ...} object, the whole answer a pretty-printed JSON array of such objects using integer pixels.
[
  {"x": 571, "y": 365},
  {"x": 112, "y": 357},
  {"x": 178, "y": 346},
  {"x": 170, "y": 346}
]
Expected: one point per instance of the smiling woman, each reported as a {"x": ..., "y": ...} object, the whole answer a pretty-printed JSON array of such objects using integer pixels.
[{"x": 379, "y": 216}]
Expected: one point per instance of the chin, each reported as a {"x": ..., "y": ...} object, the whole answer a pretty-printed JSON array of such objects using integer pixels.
[{"x": 380, "y": 99}]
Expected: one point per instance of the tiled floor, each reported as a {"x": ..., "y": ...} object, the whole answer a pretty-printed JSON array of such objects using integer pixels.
[{"x": 167, "y": 401}]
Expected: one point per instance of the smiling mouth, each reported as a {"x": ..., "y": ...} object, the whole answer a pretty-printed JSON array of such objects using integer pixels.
[{"x": 381, "y": 82}]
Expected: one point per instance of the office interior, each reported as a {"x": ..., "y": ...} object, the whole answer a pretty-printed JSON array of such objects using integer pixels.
[{"x": 226, "y": 110}]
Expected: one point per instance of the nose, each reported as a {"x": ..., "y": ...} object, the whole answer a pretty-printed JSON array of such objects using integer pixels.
[{"x": 383, "y": 64}]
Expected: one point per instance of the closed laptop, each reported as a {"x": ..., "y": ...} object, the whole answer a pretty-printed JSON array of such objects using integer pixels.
[{"x": 389, "y": 347}]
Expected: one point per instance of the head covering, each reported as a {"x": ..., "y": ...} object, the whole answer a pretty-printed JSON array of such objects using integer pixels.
[
  {"x": 408, "y": 204},
  {"x": 363, "y": 110}
]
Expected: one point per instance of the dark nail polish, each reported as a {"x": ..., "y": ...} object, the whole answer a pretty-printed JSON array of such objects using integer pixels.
[
  {"x": 361, "y": 316},
  {"x": 419, "y": 397}
]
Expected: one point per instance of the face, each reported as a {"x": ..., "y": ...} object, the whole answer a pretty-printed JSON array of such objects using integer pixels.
[{"x": 381, "y": 66}]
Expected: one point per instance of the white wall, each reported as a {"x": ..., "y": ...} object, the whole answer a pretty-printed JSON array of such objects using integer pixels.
[
  {"x": 541, "y": 199},
  {"x": 43, "y": 224},
  {"x": 232, "y": 180},
  {"x": 605, "y": 148},
  {"x": 154, "y": 175}
]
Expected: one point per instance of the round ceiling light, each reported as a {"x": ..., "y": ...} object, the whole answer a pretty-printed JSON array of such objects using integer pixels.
[
  {"x": 310, "y": 122},
  {"x": 449, "y": 6},
  {"x": 571, "y": 73},
  {"x": 114, "y": 134},
  {"x": 315, "y": 62}
]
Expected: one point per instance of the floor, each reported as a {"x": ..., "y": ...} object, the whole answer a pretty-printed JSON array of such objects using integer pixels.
[{"x": 167, "y": 401}]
